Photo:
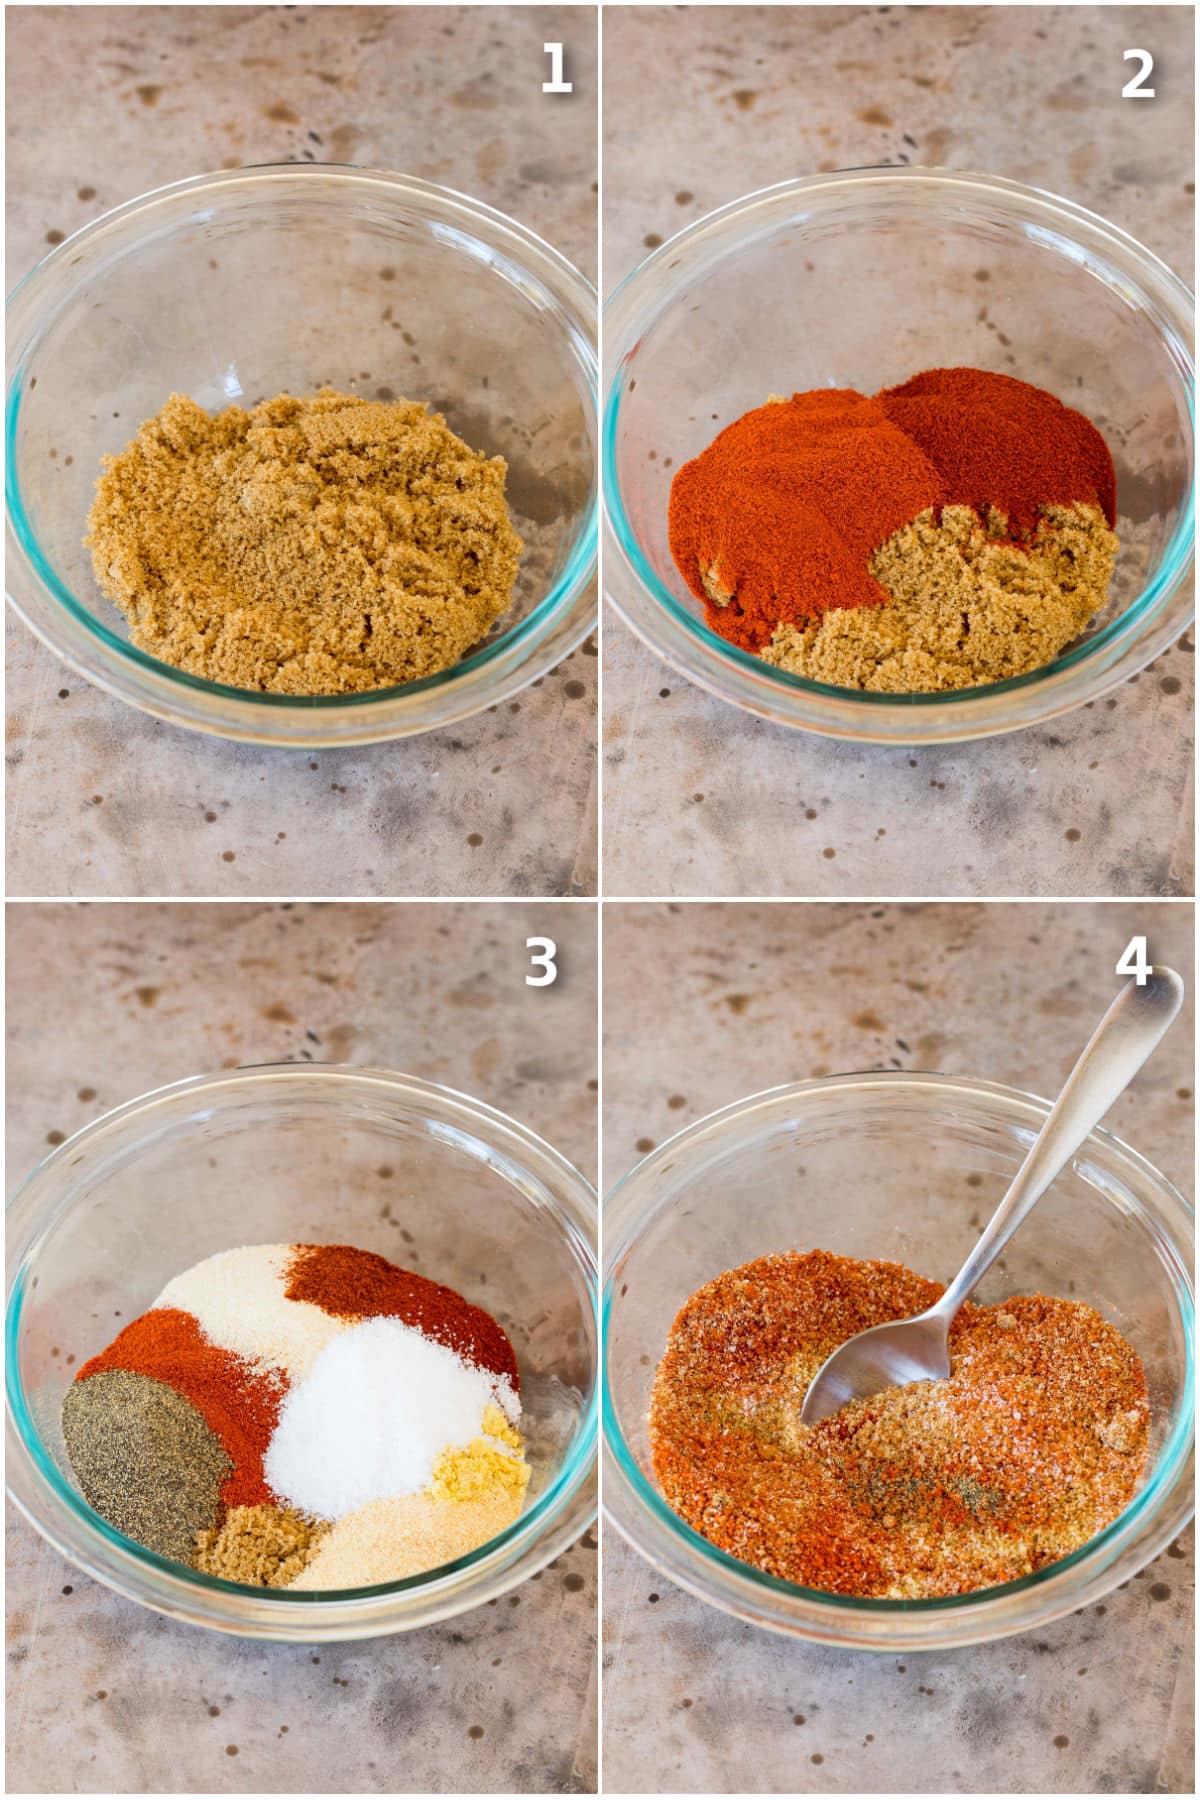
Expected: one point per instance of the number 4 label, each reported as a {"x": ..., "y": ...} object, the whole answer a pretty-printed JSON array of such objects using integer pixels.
[
  {"x": 543, "y": 951},
  {"x": 1134, "y": 961}
]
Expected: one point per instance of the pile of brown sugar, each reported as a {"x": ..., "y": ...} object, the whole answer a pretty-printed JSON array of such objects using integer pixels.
[
  {"x": 967, "y": 605},
  {"x": 260, "y": 1546},
  {"x": 309, "y": 546},
  {"x": 1034, "y": 1444}
]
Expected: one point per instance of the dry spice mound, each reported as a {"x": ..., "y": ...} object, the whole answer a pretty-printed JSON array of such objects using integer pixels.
[
  {"x": 966, "y": 516},
  {"x": 1034, "y": 1444},
  {"x": 309, "y": 546},
  {"x": 260, "y": 1546},
  {"x": 477, "y": 1491},
  {"x": 289, "y": 1411},
  {"x": 358, "y": 1284},
  {"x": 388, "y": 1540},
  {"x": 146, "y": 1459},
  {"x": 966, "y": 604},
  {"x": 778, "y": 518},
  {"x": 238, "y": 1402}
]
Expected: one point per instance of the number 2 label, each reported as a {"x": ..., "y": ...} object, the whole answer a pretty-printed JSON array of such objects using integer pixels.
[{"x": 1133, "y": 89}]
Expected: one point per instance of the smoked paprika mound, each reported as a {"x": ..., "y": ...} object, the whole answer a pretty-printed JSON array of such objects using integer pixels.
[
  {"x": 977, "y": 507},
  {"x": 1034, "y": 1444},
  {"x": 356, "y": 1284}
]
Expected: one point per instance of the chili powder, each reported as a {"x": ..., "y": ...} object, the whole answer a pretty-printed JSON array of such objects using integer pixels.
[
  {"x": 356, "y": 1284},
  {"x": 238, "y": 1402}
]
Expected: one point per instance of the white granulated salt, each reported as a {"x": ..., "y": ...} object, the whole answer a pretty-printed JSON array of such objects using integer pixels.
[
  {"x": 381, "y": 1403},
  {"x": 240, "y": 1299}
]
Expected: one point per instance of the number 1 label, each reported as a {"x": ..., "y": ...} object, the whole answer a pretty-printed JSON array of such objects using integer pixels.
[{"x": 556, "y": 84}]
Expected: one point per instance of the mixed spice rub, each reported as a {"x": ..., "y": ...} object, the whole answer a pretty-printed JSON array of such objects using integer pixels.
[
  {"x": 309, "y": 546},
  {"x": 946, "y": 533},
  {"x": 1034, "y": 1444},
  {"x": 302, "y": 1415}
]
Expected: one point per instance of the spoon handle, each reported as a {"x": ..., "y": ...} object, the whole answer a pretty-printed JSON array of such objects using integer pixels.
[{"x": 1131, "y": 1028}]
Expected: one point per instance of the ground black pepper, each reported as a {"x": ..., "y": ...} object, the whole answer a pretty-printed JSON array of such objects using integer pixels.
[{"x": 145, "y": 1458}]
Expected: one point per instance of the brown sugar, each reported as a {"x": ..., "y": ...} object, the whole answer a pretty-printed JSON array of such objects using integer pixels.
[
  {"x": 1033, "y": 1445},
  {"x": 260, "y": 1546},
  {"x": 328, "y": 545},
  {"x": 967, "y": 604}
]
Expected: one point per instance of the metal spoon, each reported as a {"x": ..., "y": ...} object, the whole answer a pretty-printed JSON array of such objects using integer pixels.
[{"x": 917, "y": 1349}]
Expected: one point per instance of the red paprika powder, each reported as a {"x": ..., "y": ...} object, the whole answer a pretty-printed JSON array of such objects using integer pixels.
[
  {"x": 239, "y": 1405},
  {"x": 780, "y": 515},
  {"x": 356, "y": 1284},
  {"x": 998, "y": 442}
]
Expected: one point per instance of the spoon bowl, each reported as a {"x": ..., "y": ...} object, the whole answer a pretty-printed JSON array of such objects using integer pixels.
[
  {"x": 885, "y": 1356},
  {"x": 917, "y": 1349}
]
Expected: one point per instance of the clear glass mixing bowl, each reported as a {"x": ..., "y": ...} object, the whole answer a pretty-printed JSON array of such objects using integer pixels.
[
  {"x": 905, "y": 1167},
  {"x": 303, "y": 1153},
  {"x": 860, "y": 280},
  {"x": 234, "y": 287}
]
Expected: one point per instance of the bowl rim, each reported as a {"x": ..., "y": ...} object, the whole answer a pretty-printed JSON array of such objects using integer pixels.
[
  {"x": 648, "y": 607},
  {"x": 688, "y": 1559},
  {"x": 125, "y": 1565},
  {"x": 560, "y": 620}
]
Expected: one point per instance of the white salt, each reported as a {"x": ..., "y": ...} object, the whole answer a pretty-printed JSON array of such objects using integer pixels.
[
  {"x": 240, "y": 1299},
  {"x": 380, "y": 1405}
]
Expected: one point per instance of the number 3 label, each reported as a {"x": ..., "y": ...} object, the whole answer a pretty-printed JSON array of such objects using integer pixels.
[
  {"x": 1133, "y": 89},
  {"x": 543, "y": 951}
]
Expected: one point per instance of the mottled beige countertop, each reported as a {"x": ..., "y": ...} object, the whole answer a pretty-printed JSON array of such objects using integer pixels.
[
  {"x": 702, "y": 799},
  {"x": 696, "y": 1702},
  {"x": 103, "y": 799},
  {"x": 107, "y": 1001}
]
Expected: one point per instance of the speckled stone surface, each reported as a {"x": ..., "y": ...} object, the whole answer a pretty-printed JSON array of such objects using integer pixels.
[
  {"x": 105, "y": 1002},
  {"x": 1100, "y": 1702},
  {"x": 702, "y": 799},
  {"x": 159, "y": 93}
]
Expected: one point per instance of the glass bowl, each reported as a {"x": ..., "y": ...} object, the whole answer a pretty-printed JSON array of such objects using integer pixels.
[
  {"x": 305, "y": 1153},
  {"x": 234, "y": 287},
  {"x": 860, "y": 280},
  {"x": 905, "y": 1167}
]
